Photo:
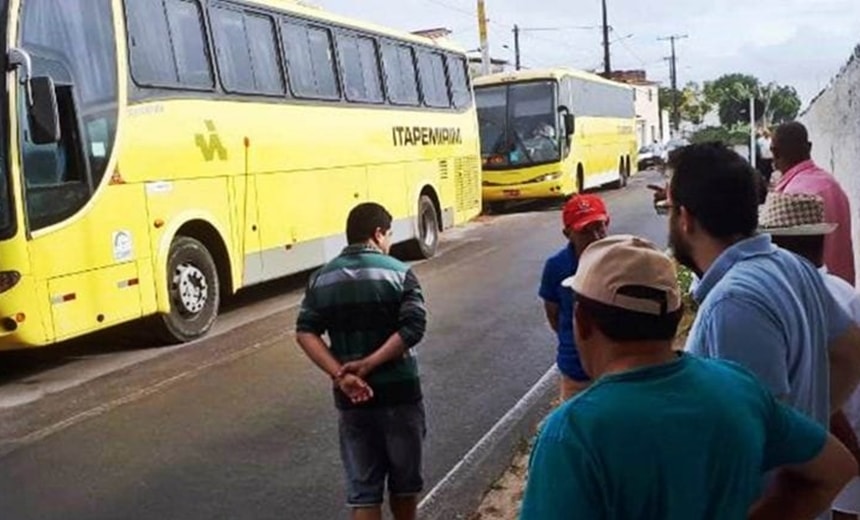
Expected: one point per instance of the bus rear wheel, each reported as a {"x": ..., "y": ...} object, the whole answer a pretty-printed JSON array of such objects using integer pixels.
[
  {"x": 425, "y": 244},
  {"x": 580, "y": 179},
  {"x": 623, "y": 174},
  {"x": 194, "y": 291}
]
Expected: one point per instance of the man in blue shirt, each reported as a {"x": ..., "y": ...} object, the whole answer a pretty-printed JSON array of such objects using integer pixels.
[
  {"x": 585, "y": 221},
  {"x": 760, "y": 306},
  {"x": 665, "y": 436}
]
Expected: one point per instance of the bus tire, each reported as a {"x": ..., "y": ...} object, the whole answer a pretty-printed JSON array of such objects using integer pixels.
[
  {"x": 194, "y": 291},
  {"x": 425, "y": 244},
  {"x": 580, "y": 179},
  {"x": 494, "y": 208},
  {"x": 622, "y": 175}
]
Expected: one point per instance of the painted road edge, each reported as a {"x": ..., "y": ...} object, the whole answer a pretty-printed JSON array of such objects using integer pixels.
[{"x": 459, "y": 492}]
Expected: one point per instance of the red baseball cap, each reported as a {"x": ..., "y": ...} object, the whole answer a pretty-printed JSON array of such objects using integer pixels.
[{"x": 582, "y": 210}]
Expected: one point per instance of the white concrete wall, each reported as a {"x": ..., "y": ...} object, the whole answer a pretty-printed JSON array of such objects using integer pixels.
[
  {"x": 833, "y": 121},
  {"x": 648, "y": 112}
]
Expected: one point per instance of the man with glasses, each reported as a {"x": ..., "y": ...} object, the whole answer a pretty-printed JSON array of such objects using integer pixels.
[{"x": 760, "y": 305}]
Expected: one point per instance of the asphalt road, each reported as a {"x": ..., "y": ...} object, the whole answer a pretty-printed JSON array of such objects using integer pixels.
[{"x": 241, "y": 425}]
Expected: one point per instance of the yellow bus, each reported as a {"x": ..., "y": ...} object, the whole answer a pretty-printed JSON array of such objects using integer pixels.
[
  {"x": 164, "y": 153},
  {"x": 551, "y": 133}
]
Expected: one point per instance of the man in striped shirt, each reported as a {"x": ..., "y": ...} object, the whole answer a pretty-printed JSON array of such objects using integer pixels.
[{"x": 372, "y": 308}]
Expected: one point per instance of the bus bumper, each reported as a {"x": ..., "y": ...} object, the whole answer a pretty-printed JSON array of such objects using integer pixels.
[{"x": 533, "y": 190}]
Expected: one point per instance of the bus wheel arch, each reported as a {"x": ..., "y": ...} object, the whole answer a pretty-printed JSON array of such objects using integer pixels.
[
  {"x": 197, "y": 275},
  {"x": 210, "y": 237},
  {"x": 428, "y": 226}
]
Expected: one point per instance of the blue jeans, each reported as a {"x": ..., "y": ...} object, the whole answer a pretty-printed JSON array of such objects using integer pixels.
[{"x": 380, "y": 443}]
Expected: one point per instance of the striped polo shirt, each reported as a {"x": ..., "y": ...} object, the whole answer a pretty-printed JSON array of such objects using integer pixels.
[{"x": 360, "y": 299}]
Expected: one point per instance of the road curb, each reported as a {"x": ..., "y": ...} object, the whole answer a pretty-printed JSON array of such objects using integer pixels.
[{"x": 459, "y": 493}]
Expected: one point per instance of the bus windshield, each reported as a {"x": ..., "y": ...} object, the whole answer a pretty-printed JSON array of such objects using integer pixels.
[{"x": 519, "y": 125}]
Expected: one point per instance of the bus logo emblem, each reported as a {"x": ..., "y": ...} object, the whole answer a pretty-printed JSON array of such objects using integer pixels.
[{"x": 211, "y": 145}]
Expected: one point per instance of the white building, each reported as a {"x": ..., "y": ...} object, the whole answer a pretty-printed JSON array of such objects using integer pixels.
[{"x": 649, "y": 121}]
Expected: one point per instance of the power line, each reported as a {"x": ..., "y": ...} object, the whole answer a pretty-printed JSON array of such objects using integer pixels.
[
  {"x": 527, "y": 32},
  {"x": 461, "y": 10},
  {"x": 629, "y": 49}
]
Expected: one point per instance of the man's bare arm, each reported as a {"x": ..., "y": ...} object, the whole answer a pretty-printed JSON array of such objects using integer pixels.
[
  {"x": 319, "y": 353},
  {"x": 844, "y": 356},
  {"x": 805, "y": 491},
  {"x": 392, "y": 349},
  {"x": 354, "y": 386},
  {"x": 552, "y": 313}
]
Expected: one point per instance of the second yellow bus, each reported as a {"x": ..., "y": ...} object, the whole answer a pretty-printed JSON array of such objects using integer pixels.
[{"x": 551, "y": 133}]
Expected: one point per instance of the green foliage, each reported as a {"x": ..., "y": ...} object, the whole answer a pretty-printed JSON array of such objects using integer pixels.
[
  {"x": 731, "y": 93},
  {"x": 692, "y": 105},
  {"x": 685, "y": 279},
  {"x": 736, "y": 136}
]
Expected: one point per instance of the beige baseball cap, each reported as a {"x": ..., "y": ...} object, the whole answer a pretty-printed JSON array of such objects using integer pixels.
[{"x": 611, "y": 269}]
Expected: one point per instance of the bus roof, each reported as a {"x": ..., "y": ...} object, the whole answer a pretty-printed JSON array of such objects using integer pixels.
[
  {"x": 307, "y": 10},
  {"x": 541, "y": 74}
]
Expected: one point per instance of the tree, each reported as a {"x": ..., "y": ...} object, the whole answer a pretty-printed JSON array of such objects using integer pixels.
[
  {"x": 692, "y": 105},
  {"x": 731, "y": 94},
  {"x": 738, "y": 136},
  {"x": 784, "y": 105}
]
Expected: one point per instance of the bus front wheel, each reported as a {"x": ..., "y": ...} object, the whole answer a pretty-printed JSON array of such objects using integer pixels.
[
  {"x": 427, "y": 241},
  {"x": 193, "y": 287}
]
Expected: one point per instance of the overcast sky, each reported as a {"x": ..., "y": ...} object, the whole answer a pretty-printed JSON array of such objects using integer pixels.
[{"x": 803, "y": 43}]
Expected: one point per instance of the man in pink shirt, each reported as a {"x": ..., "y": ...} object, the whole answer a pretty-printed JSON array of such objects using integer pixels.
[{"x": 791, "y": 155}]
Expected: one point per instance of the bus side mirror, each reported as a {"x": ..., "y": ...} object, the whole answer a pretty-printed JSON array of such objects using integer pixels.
[
  {"x": 42, "y": 111},
  {"x": 569, "y": 124}
]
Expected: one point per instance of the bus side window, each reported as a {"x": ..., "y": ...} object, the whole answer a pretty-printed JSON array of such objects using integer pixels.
[
  {"x": 434, "y": 83},
  {"x": 359, "y": 62},
  {"x": 189, "y": 43},
  {"x": 248, "y": 59},
  {"x": 400, "y": 75},
  {"x": 310, "y": 61},
  {"x": 231, "y": 49},
  {"x": 168, "y": 44},
  {"x": 459, "y": 80}
]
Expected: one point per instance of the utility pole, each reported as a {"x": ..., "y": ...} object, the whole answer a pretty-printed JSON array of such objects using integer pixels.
[
  {"x": 517, "y": 46},
  {"x": 485, "y": 45},
  {"x": 607, "y": 65},
  {"x": 673, "y": 70},
  {"x": 752, "y": 131}
]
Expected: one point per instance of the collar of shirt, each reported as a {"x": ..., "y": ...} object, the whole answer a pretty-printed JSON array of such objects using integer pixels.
[
  {"x": 758, "y": 245},
  {"x": 357, "y": 249},
  {"x": 794, "y": 172}
]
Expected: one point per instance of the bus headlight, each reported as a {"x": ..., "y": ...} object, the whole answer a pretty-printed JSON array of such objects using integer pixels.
[
  {"x": 9, "y": 279},
  {"x": 551, "y": 177}
]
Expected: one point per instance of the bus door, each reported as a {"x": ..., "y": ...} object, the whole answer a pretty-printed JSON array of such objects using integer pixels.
[{"x": 85, "y": 250}]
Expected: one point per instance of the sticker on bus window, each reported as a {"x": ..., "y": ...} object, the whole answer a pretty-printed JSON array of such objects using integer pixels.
[
  {"x": 99, "y": 150},
  {"x": 123, "y": 246}
]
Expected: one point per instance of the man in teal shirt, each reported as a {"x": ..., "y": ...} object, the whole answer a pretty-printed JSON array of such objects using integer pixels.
[{"x": 666, "y": 436}]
